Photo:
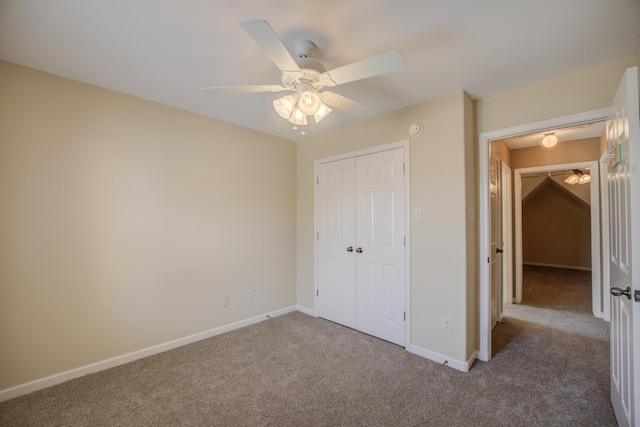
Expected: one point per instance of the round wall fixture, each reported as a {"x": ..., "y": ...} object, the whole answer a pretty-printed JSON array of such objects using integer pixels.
[{"x": 415, "y": 130}]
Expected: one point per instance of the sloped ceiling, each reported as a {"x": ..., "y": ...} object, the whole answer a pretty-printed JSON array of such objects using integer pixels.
[{"x": 165, "y": 51}]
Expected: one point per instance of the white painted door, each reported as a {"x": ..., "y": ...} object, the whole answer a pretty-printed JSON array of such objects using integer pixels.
[
  {"x": 335, "y": 260},
  {"x": 380, "y": 248},
  {"x": 507, "y": 241},
  {"x": 623, "y": 142},
  {"x": 495, "y": 173},
  {"x": 360, "y": 251}
]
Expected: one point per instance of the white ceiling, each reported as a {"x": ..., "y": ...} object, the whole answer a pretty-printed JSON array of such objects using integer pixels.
[{"x": 165, "y": 50}]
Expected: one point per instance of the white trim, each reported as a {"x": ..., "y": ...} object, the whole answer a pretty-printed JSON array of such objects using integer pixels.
[
  {"x": 594, "y": 207},
  {"x": 444, "y": 360},
  {"x": 407, "y": 221},
  {"x": 52, "y": 380},
  {"x": 306, "y": 311},
  {"x": 484, "y": 142}
]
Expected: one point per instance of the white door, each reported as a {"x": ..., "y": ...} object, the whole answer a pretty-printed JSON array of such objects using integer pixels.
[
  {"x": 335, "y": 261},
  {"x": 507, "y": 260},
  {"x": 495, "y": 173},
  {"x": 623, "y": 143},
  {"x": 360, "y": 243},
  {"x": 380, "y": 248}
]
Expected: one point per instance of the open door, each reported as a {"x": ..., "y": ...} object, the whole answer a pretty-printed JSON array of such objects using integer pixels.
[
  {"x": 623, "y": 146},
  {"x": 495, "y": 192}
]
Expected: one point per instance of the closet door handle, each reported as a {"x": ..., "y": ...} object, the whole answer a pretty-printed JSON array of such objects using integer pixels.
[
  {"x": 350, "y": 249},
  {"x": 359, "y": 250}
]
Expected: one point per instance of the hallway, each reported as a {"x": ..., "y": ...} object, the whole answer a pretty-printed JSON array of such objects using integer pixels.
[{"x": 555, "y": 337}]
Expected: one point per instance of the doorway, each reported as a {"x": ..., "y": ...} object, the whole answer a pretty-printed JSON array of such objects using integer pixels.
[
  {"x": 485, "y": 139},
  {"x": 594, "y": 209}
]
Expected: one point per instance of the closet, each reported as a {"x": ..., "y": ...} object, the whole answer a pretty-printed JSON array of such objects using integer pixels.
[{"x": 361, "y": 243}]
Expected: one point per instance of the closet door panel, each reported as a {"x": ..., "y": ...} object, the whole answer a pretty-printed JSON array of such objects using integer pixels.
[
  {"x": 380, "y": 250},
  {"x": 335, "y": 264}
]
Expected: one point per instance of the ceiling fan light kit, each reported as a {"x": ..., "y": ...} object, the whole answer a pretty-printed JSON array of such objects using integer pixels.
[
  {"x": 578, "y": 177},
  {"x": 305, "y": 77}
]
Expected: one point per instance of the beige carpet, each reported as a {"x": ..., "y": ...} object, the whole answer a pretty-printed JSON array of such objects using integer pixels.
[{"x": 550, "y": 369}]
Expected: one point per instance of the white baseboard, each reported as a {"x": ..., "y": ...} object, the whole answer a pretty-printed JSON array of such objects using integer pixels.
[
  {"x": 568, "y": 267},
  {"x": 444, "y": 360},
  {"x": 52, "y": 380},
  {"x": 306, "y": 311}
]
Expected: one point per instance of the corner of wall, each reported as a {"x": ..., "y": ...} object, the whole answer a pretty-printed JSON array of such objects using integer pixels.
[{"x": 472, "y": 238}]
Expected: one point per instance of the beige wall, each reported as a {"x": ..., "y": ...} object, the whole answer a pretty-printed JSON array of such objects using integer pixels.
[
  {"x": 500, "y": 149},
  {"x": 581, "y": 150},
  {"x": 124, "y": 223},
  {"x": 473, "y": 238},
  {"x": 442, "y": 164},
  {"x": 574, "y": 93},
  {"x": 556, "y": 229}
]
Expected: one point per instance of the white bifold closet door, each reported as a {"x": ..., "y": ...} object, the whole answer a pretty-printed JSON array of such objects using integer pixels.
[{"x": 360, "y": 251}]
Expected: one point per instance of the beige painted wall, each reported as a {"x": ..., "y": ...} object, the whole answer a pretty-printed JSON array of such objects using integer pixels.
[
  {"x": 556, "y": 230},
  {"x": 124, "y": 223},
  {"x": 441, "y": 168},
  {"x": 500, "y": 149},
  {"x": 581, "y": 150},
  {"x": 574, "y": 93},
  {"x": 528, "y": 183}
]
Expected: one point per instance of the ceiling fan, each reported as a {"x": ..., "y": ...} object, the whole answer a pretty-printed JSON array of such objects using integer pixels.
[{"x": 305, "y": 77}]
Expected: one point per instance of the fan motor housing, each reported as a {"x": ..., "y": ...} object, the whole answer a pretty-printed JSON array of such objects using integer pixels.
[{"x": 310, "y": 71}]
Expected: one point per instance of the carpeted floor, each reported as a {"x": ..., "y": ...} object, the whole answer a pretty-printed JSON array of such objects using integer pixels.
[{"x": 550, "y": 368}]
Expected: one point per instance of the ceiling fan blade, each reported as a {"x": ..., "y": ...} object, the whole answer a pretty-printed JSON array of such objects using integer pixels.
[
  {"x": 375, "y": 66},
  {"x": 262, "y": 33},
  {"x": 242, "y": 89},
  {"x": 347, "y": 105}
]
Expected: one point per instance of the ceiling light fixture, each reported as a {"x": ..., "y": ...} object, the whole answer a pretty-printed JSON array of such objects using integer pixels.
[
  {"x": 578, "y": 177},
  {"x": 549, "y": 140},
  {"x": 297, "y": 107}
]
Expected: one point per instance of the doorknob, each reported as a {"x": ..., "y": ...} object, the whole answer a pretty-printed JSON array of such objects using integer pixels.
[
  {"x": 350, "y": 249},
  {"x": 359, "y": 250},
  {"x": 616, "y": 292},
  {"x": 499, "y": 251}
]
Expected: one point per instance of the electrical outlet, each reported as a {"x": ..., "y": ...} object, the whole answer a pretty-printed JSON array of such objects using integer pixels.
[
  {"x": 227, "y": 301},
  {"x": 446, "y": 324},
  {"x": 250, "y": 295}
]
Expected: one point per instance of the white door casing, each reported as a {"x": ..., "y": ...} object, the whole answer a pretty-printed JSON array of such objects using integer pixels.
[{"x": 623, "y": 138}]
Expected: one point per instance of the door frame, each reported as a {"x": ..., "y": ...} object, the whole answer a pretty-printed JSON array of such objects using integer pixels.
[
  {"x": 594, "y": 207},
  {"x": 484, "y": 215},
  {"x": 407, "y": 221}
]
